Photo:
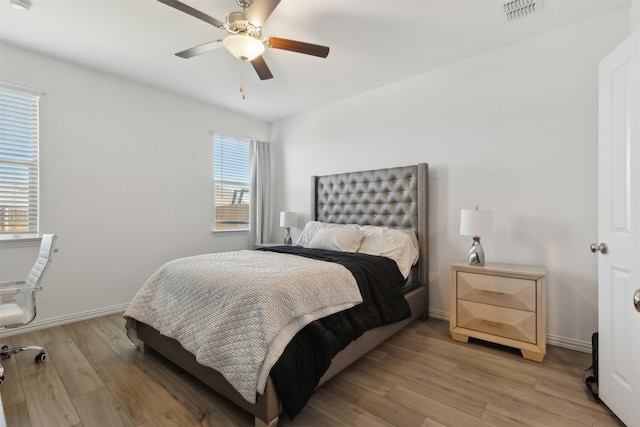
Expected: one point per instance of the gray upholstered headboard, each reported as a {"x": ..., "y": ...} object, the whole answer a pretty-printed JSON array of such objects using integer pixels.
[{"x": 394, "y": 197}]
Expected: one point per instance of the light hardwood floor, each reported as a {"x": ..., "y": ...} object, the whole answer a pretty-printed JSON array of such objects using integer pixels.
[{"x": 94, "y": 377}]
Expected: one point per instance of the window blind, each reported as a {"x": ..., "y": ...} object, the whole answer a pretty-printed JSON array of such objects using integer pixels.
[
  {"x": 231, "y": 175},
  {"x": 18, "y": 161}
]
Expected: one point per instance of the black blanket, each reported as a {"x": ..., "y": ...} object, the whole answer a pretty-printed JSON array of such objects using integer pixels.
[{"x": 309, "y": 354}]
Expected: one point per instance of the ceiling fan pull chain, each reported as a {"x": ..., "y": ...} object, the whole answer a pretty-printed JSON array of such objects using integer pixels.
[{"x": 242, "y": 82}]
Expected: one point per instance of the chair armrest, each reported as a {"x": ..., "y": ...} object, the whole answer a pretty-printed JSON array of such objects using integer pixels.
[{"x": 14, "y": 287}]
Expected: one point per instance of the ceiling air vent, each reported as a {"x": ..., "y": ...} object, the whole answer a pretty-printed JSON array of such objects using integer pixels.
[{"x": 519, "y": 8}]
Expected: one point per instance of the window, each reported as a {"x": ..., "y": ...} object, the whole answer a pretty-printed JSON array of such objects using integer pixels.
[
  {"x": 18, "y": 161},
  {"x": 231, "y": 175}
]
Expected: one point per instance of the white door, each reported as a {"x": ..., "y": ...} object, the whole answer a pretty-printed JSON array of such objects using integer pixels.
[{"x": 619, "y": 230}]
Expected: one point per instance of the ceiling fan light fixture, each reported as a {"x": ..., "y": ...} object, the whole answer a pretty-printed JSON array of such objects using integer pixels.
[
  {"x": 243, "y": 47},
  {"x": 21, "y": 4}
]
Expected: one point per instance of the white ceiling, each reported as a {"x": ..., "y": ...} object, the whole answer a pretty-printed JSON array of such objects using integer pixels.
[{"x": 373, "y": 43}]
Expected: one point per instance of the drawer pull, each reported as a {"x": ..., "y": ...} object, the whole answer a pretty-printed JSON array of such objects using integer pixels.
[
  {"x": 493, "y": 322},
  {"x": 489, "y": 291}
]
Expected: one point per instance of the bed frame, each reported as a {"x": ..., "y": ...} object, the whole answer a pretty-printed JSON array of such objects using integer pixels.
[{"x": 395, "y": 197}]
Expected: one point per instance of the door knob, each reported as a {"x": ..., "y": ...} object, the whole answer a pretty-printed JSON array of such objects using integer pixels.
[
  {"x": 636, "y": 300},
  {"x": 602, "y": 248}
]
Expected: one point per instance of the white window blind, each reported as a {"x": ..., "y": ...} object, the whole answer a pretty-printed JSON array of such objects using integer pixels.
[
  {"x": 18, "y": 161},
  {"x": 231, "y": 176}
]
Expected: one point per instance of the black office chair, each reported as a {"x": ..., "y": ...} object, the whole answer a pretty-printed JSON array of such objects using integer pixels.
[{"x": 18, "y": 300}]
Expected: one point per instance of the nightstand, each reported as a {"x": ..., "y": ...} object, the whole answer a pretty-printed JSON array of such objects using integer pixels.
[{"x": 500, "y": 303}]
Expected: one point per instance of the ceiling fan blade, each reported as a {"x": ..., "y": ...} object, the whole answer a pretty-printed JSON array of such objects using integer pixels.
[
  {"x": 295, "y": 46},
  {"x": 261, "y": 68},
  {"x": 261, "y": 10},
  {"x": 199, "y": 50},
  {"x": 193, "y": 12}
]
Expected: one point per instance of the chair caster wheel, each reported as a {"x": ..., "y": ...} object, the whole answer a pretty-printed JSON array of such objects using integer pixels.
[
  {"x": 3, "y": 353},
  {"x": 40, "y": 357}
]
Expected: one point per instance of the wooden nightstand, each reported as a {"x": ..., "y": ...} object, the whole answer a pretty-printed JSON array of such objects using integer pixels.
[{"x": 501, "y": 303}]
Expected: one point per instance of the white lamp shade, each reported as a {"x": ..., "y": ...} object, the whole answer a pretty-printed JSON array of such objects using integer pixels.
[
  {"x": 288, "y": 219},
  {"x": 475, "y": 222},
  {"x": 243, "y": 47}
]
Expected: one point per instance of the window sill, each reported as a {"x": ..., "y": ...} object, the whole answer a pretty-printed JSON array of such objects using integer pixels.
[{"x": 230, "y": 231}]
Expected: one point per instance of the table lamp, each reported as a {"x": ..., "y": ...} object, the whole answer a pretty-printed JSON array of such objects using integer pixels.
[
  {"x": 288, "y": 220},
  {"x": 475, "y": 222}
]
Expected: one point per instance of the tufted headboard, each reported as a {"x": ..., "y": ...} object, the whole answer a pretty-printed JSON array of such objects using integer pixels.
[{"x": 394, "y": 197}]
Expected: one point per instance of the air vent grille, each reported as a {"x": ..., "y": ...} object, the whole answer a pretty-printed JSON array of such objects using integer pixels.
[{"x": 519, "y": 8}]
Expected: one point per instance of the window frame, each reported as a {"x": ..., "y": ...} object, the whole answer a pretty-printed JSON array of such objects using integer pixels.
[
  {"x": 244, "y": 197},
  {"x": 19, "y": 149}
]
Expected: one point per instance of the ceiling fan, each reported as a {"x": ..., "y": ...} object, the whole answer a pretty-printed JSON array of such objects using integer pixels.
[{"x": 244, "y": 40}]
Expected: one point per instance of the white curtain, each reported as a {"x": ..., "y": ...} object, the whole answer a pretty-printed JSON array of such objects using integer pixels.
[{"x": 260, "y": 218}]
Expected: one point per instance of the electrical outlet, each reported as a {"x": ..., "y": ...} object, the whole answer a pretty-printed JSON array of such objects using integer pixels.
[{"x": 8, "y": 298}]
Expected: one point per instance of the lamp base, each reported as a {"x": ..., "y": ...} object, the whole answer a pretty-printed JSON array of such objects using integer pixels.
[
  {"x": 287, "y": 237},
  {"x": 476, "y": 253}
]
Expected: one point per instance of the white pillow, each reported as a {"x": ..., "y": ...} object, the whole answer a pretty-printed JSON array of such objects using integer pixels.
[
  {"x": 414, "y": 239},
  {"x": 312, "y": 228},
  {"x": 399, "y": 245},
  {"x": 337, "y": 239}
]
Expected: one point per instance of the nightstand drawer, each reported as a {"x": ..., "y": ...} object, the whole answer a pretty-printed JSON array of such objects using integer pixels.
[
  {"x": 505, "y": 322},
  {"x": 507, "y": 292}
]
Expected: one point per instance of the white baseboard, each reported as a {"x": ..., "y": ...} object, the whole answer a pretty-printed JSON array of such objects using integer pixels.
[
  {"x": 569, "y": 343},
  {"x": 57, "y": 321},
  {"x": 438, "y": 314}
]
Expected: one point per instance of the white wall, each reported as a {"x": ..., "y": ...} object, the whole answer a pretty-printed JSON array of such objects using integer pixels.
[
  {"x": 635, "y": 15},
  {"x": 126, "y": 182},
  {"x": 514, "y": 130}
]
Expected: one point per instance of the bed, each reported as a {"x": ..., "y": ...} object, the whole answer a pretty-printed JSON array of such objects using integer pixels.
[{"x": 393, "y": 198}]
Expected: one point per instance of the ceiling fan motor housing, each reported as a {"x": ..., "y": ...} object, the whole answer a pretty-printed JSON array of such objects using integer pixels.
[{"x": 237, "y": 24}]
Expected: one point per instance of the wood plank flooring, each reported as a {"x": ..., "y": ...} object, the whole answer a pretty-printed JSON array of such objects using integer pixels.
[{"x": 93, "y": 376}]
